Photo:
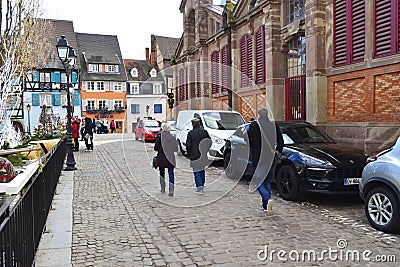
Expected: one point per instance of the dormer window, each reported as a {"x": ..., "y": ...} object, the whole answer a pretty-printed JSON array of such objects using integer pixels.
[
  {"x": 93, "y": 68},
  {"x": 134, "y": 72},
  {"x": 153, "y": 73},
  {"x": 112, "y": 68}
]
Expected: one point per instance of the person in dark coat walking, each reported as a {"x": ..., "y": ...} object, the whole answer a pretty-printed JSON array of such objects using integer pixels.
[
  {"x": 197, "y": 144},
  {"x": 165, "y": 146},
  {"x": 88, "y": 133},
  {"x": 75, "y": 134},
  {"x": 266, "y": 144}
]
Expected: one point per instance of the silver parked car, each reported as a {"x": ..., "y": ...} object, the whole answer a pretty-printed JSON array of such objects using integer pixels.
[{"x": 380, "y": 189}]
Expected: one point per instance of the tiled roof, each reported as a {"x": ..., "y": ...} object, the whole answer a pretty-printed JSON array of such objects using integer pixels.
[
  {"x": 167, "y": 45},
  {"x": 102, "y": 49},
  {"x": 58, "y": 28},
  {"x": 144, "y": 67}
]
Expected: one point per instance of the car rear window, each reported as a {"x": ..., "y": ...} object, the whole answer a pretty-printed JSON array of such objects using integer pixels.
[
  {"x": 151, "y": 124},
  {"x": 304, "y": 134}
]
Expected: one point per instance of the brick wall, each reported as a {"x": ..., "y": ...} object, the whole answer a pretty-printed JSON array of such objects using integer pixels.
[{"x": 371, "y": 95}]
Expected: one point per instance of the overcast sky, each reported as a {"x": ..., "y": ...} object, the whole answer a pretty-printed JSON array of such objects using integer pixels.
[{"x": 133, "y": 21}]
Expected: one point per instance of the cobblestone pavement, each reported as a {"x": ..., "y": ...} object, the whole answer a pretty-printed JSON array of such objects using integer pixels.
[{"x": 120, "y": 218}]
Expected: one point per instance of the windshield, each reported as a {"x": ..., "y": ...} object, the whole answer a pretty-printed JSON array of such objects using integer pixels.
[
  {"x": 151, "y": 124},
  {"x": 295, "y": 134},
  {"x": 222, "y": 120}
]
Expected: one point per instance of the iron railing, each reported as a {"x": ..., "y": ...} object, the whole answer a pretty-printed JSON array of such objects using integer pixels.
[{"x": 23, "y": 216}]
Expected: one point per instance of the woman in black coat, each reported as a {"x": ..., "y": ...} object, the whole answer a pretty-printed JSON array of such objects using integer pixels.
[
  {"x": 88, "y": 133},
  {"x": 166, "y": 145}
]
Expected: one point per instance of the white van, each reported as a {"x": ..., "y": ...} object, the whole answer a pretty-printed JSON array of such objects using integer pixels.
[{"x": 220, "y": 125}]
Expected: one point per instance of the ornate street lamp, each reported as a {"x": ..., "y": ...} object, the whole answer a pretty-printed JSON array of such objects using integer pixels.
[
  {"x": 68, "y": 58},
  {"x": 28, "y": 108}
]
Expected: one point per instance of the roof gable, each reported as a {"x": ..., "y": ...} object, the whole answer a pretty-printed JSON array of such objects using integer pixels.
[
  {"x": 57, "y": 29},
  {"x": 166, "y": 45},
  {"x": 100, "y": 49},
  {"x": 242, "y": 8},
  {"x": 143, "y": 67}
]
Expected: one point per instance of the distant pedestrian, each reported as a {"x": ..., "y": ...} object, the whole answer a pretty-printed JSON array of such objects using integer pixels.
[
  {"x": 98, "y": 125},
  {"x": 197, "y": 144},
  {"x": 82, "y": 130},
  {"x": 105, "y": 125},
  {"x": 266, "y": 144},
  {"x": 88, "y": 134},
  {"x": 166, "y": 145},
  {"x": 75, "y": 134},
  {"x": 112, "y": 126}
]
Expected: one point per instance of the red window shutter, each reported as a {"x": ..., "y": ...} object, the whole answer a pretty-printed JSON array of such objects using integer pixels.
[
  {"x": 198, "y": 79},
  {"x": 383, "y": 27},
  {"x": 243, "y": 58},
  {"x": 349, "y": 31},
  {"x": 249, "y": 70},
  {"x": 186, "y": 84},
  {"x": 224, "y": 63},
  {"x": 260, "y": 56},
  {"x": 340, "y": 36},
  {"x": 215, "y": 72},
  {"x": 358, "y": 30},
  {"x": 182, "y": 85}
]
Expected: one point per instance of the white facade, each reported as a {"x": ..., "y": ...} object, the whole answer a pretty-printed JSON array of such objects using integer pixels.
[{"x": 136, "y": 108}]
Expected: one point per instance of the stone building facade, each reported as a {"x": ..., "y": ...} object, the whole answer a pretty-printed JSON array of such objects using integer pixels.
[
  {"x": 292, "y": 55},
  {"x": 364, "y": 79}
]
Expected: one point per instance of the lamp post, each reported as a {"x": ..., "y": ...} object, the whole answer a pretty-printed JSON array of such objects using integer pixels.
[
  {"x": 68, "y": 58},
  {"x": 28, "y": 108}
]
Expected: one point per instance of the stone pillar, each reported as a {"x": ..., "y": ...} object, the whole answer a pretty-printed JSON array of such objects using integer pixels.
[
  {"x": 316, "y": 92},
  {"x": 191, "y": 80},
  {"x": 201, "y": 21},
  {"x": 204, "y": 78},
  {"x": 275, "y": 60},
  {"x": 235, "y": 81}
]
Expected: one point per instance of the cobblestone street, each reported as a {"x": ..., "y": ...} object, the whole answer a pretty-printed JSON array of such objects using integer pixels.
[{"x": 120, "y": 218}]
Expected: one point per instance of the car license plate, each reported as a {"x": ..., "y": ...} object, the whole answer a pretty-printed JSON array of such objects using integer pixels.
[{"x": 351, "y": 181}]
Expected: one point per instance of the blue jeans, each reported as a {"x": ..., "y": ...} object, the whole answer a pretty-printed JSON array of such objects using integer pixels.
[
  {"x": 265, "y": 187},
  {"x": 199, "y": 179},
  {"x": 171, "y": 178}
]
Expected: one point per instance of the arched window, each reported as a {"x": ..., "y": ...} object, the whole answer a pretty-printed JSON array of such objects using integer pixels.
[{"x": 296, "y": 57}]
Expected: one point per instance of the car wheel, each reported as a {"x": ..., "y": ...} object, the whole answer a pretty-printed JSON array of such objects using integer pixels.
[
  {"x": 382, "y": 209},
  {"x": 286, "y": 183},
  {"x": 229, "y": 168}
]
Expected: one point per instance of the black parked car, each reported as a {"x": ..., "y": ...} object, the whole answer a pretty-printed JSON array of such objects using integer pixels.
[{"x": 311, "y": 160}]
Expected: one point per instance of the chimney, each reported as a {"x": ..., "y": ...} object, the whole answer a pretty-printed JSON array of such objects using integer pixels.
[
  {"x": 147, "y": 54},
  {"x": 153, "y": 58}
]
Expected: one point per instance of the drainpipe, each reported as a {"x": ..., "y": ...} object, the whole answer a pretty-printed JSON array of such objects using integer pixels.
[{"x": 229, "y": 24}]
